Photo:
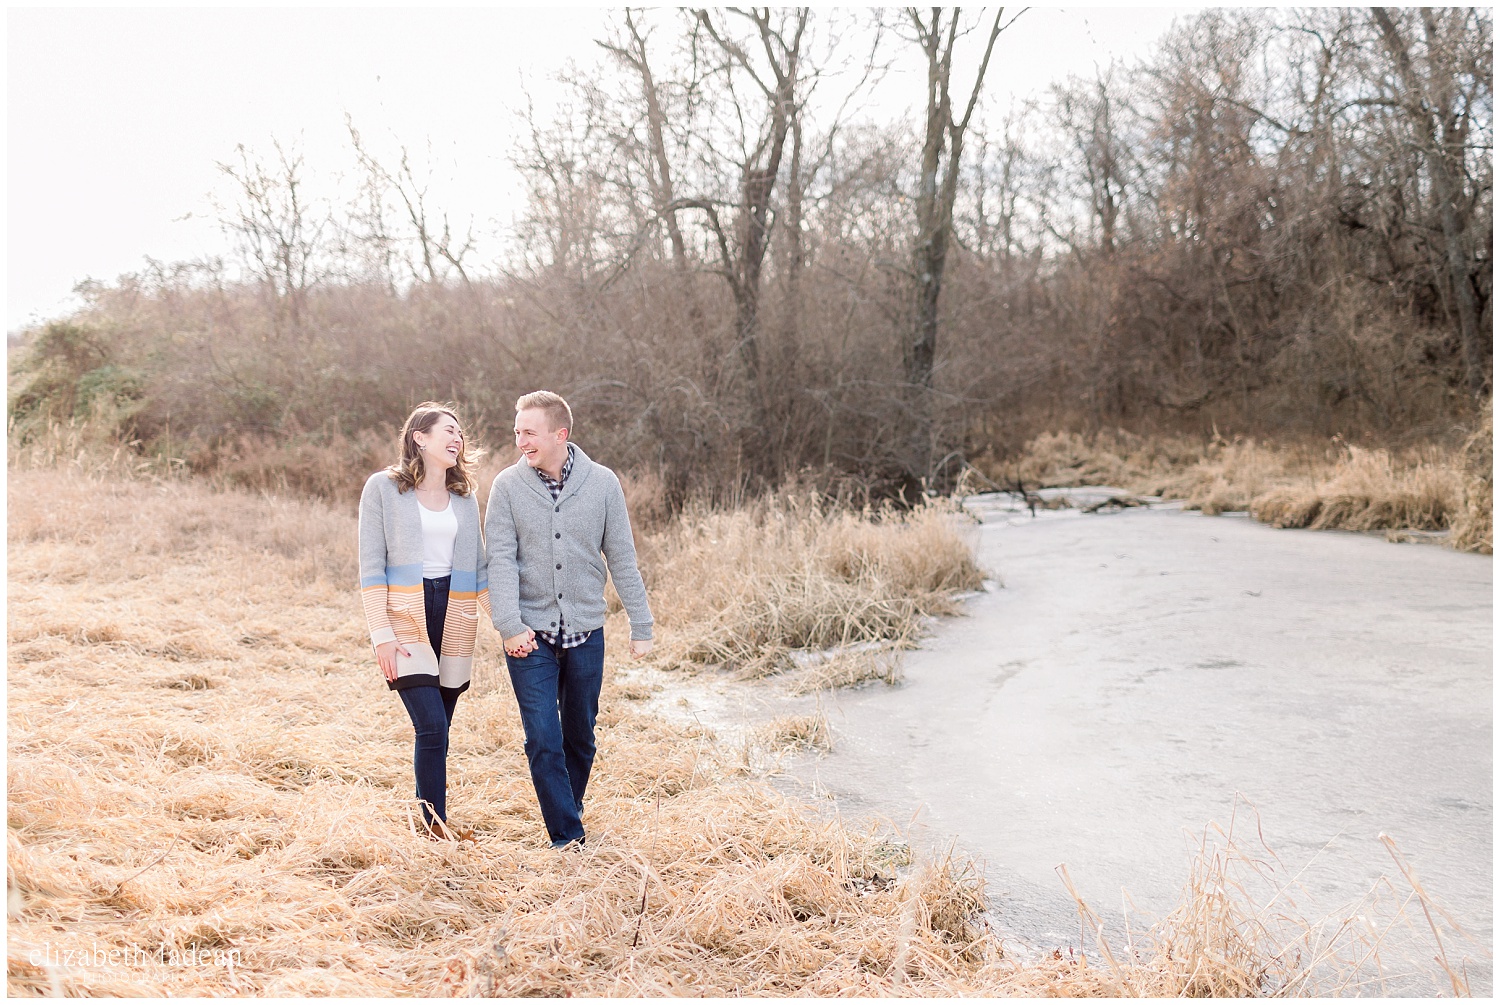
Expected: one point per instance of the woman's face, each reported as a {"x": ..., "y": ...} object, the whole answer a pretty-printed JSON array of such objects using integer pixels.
[{"x": 440, "y": 445}]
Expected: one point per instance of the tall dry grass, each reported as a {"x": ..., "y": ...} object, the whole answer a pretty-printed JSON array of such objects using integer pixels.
[
  {"x": 1370, "y": 490},
  {"x": 1239, "y": 931},
  {"x": 1063, "y": 459},
  {"x": 201, "y": 755},
  {"x": 1333, "y": 486},
  {"x": 81, "y": 448},
  {"x": 1475, "y": 528},
  {"x": 741, "y": 588},
  {"x": 1214, "y": 475},
  {"x": 202, "y": 759}
]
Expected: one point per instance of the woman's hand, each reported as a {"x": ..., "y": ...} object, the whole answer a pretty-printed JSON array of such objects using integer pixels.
[
  {"x": 517, "y": 646},
  {"x": 385, "y": 655}
]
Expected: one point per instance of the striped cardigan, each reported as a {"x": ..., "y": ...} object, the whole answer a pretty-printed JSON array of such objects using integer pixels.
[{"x": 390, "y": 582}]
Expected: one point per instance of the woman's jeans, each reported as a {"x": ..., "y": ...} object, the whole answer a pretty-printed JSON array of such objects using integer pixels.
[
  {"x": 431, "y": 711},
  {"x": 558, "y": 693}
]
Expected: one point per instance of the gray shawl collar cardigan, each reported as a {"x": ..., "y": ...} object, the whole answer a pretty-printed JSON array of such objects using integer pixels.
[{"x": 545, "y": 562}]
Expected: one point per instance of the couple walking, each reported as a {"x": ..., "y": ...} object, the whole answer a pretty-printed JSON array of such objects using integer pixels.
[{"x": 554, "y": 527}]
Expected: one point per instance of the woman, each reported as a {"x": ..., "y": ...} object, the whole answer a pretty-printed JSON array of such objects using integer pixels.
[{"x": 422, "y": 582}]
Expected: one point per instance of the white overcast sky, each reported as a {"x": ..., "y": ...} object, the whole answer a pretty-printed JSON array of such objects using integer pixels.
[{"x": 116, "y": 118}]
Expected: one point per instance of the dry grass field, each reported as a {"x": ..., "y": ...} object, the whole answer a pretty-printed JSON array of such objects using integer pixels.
[
  {"x": 201, "y": 756},
  {"x": 207, "y": 779}
]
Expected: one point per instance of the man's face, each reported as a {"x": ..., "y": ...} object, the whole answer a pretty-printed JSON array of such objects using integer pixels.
[{"x": 541, "y": 445}]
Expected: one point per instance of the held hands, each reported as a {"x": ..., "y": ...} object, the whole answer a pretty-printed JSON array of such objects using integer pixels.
[
  {"x": 518, "y": 646},
  {"x": 385, "y": 655}
]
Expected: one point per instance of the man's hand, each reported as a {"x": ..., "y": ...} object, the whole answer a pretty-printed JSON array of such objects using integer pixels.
[
  {"x": 639, "y": 648},
  {"x": 385, "y": 655},
  {"x": 519, "y": 645}
]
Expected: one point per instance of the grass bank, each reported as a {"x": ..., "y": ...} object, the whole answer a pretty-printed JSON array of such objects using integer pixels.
[
  {"x": 201, "y": 758},
  {"x": 1335, "y": 485}
]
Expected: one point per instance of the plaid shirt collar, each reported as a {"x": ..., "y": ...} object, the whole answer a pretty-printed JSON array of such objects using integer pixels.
[
  {"x": 556, "y": 487},
  {"x": 562, "y": 638}
]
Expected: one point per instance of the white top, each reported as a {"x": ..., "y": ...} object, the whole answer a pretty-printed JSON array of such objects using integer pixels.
[{"x": 439, "y": 529}]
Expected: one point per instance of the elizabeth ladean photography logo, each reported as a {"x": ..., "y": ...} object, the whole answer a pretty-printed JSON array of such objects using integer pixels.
[{"x": 133, "y": 955}]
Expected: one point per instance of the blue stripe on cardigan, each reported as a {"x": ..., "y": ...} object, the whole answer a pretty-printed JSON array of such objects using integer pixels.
[
  {"x": 463, "y": 581},
  {"x": 396, "y": 575},
  {"x": 466, "y": 581}
]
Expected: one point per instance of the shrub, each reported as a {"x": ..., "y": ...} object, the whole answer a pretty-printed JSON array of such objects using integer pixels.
[{"x": 52, "y": 368}]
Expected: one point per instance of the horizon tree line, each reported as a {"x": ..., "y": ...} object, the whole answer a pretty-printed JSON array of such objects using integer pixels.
[{"x": 1278, "y": 222}]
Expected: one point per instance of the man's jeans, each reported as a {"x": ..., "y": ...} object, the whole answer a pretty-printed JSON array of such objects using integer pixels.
[{"x": 558, "y": 692}]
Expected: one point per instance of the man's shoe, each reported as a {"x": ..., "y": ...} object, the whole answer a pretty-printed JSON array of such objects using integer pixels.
[{"x": 575, "y": 845}]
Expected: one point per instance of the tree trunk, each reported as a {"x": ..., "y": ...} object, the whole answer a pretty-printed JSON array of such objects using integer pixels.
[
  {"x": 755, "y": 211},
  {"x": 932, "y": 234},
  {"x": 934, "y": 225},
  {"x": 1427, "y": 113},
  {"x": 795, "y": 256},
  {"x": 661, "y": 179}
]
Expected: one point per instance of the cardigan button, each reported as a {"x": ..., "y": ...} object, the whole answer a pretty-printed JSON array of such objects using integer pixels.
[
  {"x": 559, "y": 565},
  {"x": 554, "y": 624},
  {"x": 559, "y": 596},
  {"x": 557, "y": 509},
  {"x": 558, "y": 535}
]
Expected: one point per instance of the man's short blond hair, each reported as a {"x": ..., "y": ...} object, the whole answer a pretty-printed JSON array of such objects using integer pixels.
[{"x": 557, "y": 410}]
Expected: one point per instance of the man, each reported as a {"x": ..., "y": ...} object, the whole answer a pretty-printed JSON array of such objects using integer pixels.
[{"x": 549, "y": 517}]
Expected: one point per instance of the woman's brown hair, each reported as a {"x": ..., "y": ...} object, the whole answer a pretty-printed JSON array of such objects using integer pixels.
[{"x": 409, "y": 470}]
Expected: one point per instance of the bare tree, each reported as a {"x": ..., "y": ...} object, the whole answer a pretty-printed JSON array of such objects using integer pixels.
[
  {"x": 1089, "y": 113},
  {"x": 776, "y": 79},
  {"x": 937, "y": 188},
  {"x": 1437, "y": 93},
  {"x": 571, "y": 225},
  {"x": 631, "y": 51},
  {"x": 433, "y": 235},
  {"x": 279, "y": 236}
]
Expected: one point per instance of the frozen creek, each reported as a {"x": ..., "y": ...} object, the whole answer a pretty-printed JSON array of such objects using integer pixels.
[{"x": 1136, "y": 671}]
